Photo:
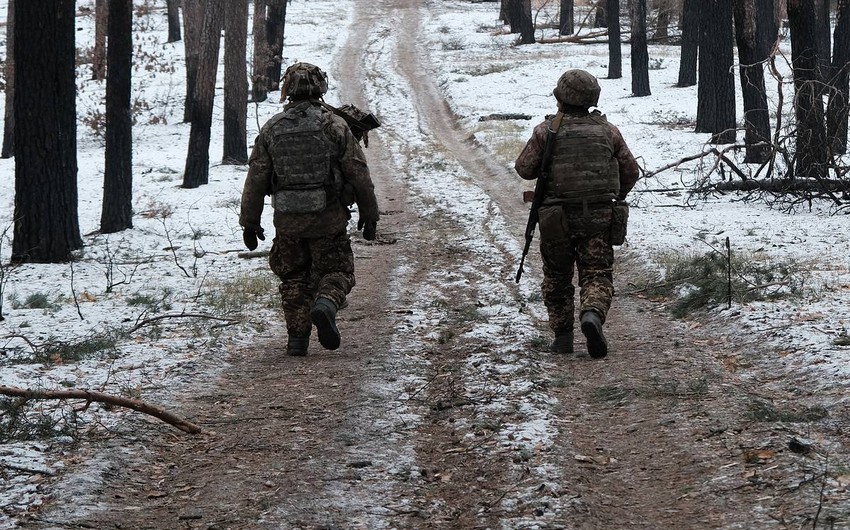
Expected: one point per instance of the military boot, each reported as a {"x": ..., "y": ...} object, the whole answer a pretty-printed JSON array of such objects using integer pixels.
[
  {"x": 323, "y": 316},
  {"x": 591, "y": 326},
  {"x": 297, "y": 345},
  {"x": 563, "y": 342}
]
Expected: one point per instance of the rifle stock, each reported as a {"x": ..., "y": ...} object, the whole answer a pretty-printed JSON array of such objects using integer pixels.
[{"x": 539, "y": 190}]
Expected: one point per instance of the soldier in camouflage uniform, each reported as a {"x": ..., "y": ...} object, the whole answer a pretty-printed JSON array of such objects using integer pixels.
[
  {"x": 592, "y": 171},
  {"x": 308, "y": 160}
]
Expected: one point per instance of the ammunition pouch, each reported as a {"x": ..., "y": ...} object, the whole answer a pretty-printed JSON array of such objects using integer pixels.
[
  {"x": 619, "y": 222},
  {"x": 306, "y": 200}
]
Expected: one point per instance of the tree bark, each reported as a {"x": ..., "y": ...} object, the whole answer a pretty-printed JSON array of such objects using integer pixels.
[
  {"x": 235, "y": 83},
  {"x": 600, "y": 18},
  {"x": 823, "y": 37},
  {"x": 526, "y": 29},
  {"x": 117, "y": 211},
  {"x": 566, "y": 18},
  {"x": 812, "y": 154},
  {"x": 615, "y": 51},
  {"x": 662, "y": 24},
  {"x": 836, "y": 112},
  {"x": 716, "y": 88},
  {"x": 9, "y": 112},
  {"x": 173, "y": 7},
  {"x": 755, "y": 34},
  {"x": 198, "y": 159},
  {"x": 690, "y": 43},
  {"x": 275, "y": 26},
  {"x": 640, "y": 53},
  {"x": 193, "y": 17},
  {"x": 259, "y": 81},
  {"x": 101, "y": 20},
  {"x": 46, "y": 223}
]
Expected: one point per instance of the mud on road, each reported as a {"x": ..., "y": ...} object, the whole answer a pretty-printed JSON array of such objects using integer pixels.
[{"x": 442, "y": 408}]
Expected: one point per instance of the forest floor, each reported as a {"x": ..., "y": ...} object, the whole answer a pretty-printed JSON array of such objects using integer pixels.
[{"x": 432, "y": 415}]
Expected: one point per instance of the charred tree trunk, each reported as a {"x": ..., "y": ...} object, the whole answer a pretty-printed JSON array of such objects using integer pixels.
[
  {"x": 117, "y": 211},
  {"x": 615, "y": 51},
  {"x": 9, "y": 113},
  {"x": 193, "y": 17},
  {"x": 823, "y": 37},
  {"x": 662, "y": 24},
  {"x": 755, "y": 34},
  {"x": 505, "y": 14},
  {"x": 716, "y": 88},
  {"x": 526, "y": 24},
  {"x": 836, "y": 112},
  {"x": 640, "y": 53},
  {"x": 46, "y": 224},
  {"x": 101, "y": 20},
  {"x": 812, "y": 154},
  {"x": 235, "y": 83},
  {"x": 198, "y": 159},
  {"x": 259, "y": 81},
  {"x": 275, "y": 26},
  {"x": 566, "y": 18},
  {"x": 690, "y": 43},
  {"x": 173, "y": 7}
]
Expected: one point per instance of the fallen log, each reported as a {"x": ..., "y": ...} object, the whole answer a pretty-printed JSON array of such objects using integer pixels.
[{"x": 91, "y": 396}]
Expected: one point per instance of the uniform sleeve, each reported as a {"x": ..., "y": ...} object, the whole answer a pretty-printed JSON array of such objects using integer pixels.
[
  {"x": 258, "y": 184},
  {"x": 629, "y": 169},
  {"x": 528, "y": 163},
  {"x": 355, "y": 170}
]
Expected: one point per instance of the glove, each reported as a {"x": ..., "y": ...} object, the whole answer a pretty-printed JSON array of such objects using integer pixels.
[
  {"x": 250, "y": 235},
  {"x": 368, "y": 227}
]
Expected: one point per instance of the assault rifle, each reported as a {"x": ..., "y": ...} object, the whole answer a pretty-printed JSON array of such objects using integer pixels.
[
  {"x": 540, "y": 188},
  {"x": 358, "y": 121}
]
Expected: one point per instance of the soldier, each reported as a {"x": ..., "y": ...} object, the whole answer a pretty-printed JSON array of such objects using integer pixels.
[
  {"x": 308, "y": 160},
  {"x": 583, "y": 210}
]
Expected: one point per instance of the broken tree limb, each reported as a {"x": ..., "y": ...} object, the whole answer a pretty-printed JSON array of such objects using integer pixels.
[
  {"x": 100, "y": 397},
  {"x": 587, "y": 38}
]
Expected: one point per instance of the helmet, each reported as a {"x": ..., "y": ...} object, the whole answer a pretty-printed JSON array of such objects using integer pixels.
[
  {"x": 304, "y": 80},
  {"x": 577, "y": 87}
]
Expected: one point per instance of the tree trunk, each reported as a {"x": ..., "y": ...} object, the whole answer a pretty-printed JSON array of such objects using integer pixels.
[
  {"x": 198, "y": 159},
  {"x": 101, "y": 20},
  {"x": 823, "y": 37},
  {"x": 640, "y": 54},
  {"x": 836, "y": 113},
  {"x": 662, "y": 24},
  {"x": 716, "y": 88},
  {"x": 566, "y": 19},
  {"x": 526, "y": 24},
  {"x": 173, "y": 7},
  {"x": 235, "y": 83},
  {"x": 754, "y": 33},
  {"x": 600, "y": 19},
  {"x": 259, "y": 81},
  {"x": 812, "y": 154},
  {"x": 615, "y": 52},
  {"x": 193, "y": 17},
  {"x": 117, "y": 211},
  {"x": 275, "y": 25},
  {"x": 505, "y": 13},
  {"x": 690, "y": 43},
  {"x": 9, "y": 113},
  {"x": 46, "y": 224}
]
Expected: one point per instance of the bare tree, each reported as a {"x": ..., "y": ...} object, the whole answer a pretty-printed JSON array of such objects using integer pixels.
[
  {"x": 812, "y": 153},
  {"x": 173, "y": 9},
  {"x": 823, "y": 36},
  {"x": 836, "y": 112},
  {"x": 755, "y": 33},
  {"x": 46, "y": 224},
  {"x": 690, "y": 43},
  {"x": 615, "y": 52},
  {"x": 193, "y": 18},
  {"x": 275, "y": 26},
  {"x": 198, "y": 158},
  {"x": 519, "y": 12},
  {"x": 716, "y": 88},
  {"x": 640, "y": 53},
  {"x": 259, "y": 81},
  {"x": 9, "y": 113},
  {"x": 662, "y": 21},
  {"x": 235, "y": 83},
  {"x": 101, "y": 20},
  {"x": 566, "y": 18},
  {"x": 117, "y": 211}
]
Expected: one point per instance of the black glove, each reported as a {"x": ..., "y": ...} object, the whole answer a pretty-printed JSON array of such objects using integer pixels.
[
  {"x": 368, "y": 227},
  {"x": 250, "y": 235}
]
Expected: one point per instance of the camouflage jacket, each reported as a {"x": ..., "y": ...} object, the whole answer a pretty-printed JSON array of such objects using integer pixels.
[
  {"x": 528, "y": 163},
  {"x": 349, "y": 163}
]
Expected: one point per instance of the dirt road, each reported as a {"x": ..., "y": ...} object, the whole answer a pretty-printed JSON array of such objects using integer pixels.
[{"x": 442, "y": 409}]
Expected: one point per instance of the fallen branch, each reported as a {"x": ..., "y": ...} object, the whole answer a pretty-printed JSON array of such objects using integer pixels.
[
  {"x": 100, "y": 397},
  {"x": 578, "y": 39}
]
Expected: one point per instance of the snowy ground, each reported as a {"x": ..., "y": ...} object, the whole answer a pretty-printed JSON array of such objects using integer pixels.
[{"x": 124, "y": 278}]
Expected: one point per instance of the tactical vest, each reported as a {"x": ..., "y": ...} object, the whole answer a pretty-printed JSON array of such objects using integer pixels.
[
  {"x": 583, "y": 164},
  {"x": 302, "y": 155}
]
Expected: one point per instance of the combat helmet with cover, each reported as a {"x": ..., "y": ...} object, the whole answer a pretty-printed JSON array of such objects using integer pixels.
[
  {"x": 577, "y": 88},
  {"x": 303, "y": 81}
]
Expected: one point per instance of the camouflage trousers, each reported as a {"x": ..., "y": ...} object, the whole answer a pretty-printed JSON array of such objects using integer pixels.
[
  {"x": 309, "y": 268},
  {"x": 570, "y": 239}
]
